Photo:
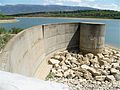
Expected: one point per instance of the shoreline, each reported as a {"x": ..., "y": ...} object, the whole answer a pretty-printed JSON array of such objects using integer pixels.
[
  {"x": 112, "y": 47},
  {"x": 71, "y": 18},
  {"x": 9, "y": 21}
]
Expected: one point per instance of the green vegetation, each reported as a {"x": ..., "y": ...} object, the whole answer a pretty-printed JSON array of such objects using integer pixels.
[
  {"x": 2, "y": 30},
  {"x": 2, "y": 17},
  {"x": 13, "y": 30},
  {"x": 5, "y": 35},
  {"x": 109, "y": 14},
  {"x": 50, "y": 76},
  {"x": 4, "y": 39}
]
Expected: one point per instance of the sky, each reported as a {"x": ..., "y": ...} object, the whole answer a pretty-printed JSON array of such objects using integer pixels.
[{"x": 101, "y": 4}]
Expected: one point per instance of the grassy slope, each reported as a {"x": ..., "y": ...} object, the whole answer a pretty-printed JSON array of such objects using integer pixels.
[
  {"x": 5, "y": 35},
  {"x": 4, "y": 17}
]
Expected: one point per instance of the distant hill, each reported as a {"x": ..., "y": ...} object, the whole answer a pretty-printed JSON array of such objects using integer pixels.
[{"x": 21, "y": 8}]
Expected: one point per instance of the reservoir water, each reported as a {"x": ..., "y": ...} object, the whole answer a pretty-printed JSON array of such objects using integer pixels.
[{"x": 112, "y": 26}]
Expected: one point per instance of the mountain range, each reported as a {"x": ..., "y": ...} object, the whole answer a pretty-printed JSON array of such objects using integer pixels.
[{"x": 22, "y": 8}]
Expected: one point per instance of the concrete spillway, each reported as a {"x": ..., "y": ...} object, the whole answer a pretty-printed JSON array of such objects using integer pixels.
[{"x": 28, "y": 51}]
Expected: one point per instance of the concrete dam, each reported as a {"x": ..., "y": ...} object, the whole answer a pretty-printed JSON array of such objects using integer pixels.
[{"x": 27, "y": 53}]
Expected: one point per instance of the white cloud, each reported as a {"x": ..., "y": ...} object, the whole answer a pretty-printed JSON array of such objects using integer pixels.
[
  {"x": 108, "y": 6},
  {"x": 61, "y": 2},
  {"x": 101, "y": 6},
  {"x": 90, "y": 0},
  {"x": 85, "y": 3},
  {"x": 66, "y": 1}
]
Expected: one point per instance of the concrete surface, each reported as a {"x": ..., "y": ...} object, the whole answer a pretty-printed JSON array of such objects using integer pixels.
[
  {"x": 28, "y": 51},
  {"x": 92, "y": 37},
  {"x": 12, "y": 81}
]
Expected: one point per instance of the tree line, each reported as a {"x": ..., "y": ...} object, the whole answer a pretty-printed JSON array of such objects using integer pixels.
[{"x": 110, "y": 14}]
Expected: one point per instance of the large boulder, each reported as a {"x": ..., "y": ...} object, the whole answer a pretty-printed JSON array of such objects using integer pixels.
[
  {"x": 69, "y": 73},
  {"x": 89, "y": 55},
  {"x": 53, "y": 61},
  {"x": 115, "y": 65},
  {"x": 59, "y": 74},
  {"x": 59, "y": 57},
  {"x": 95, "y": 59},
  {"x": 85, "y": 60},
  {"x": 87, "y": 75},
  {"x": 117, "y": 76},
  {"x": 91, "y": 70},
  {"x": 100, "y": 56},
  {"x": 110, "y": 78},
  {"x": 107, "y": 60},
  {"x": 100, "y": 78},
  {"x": 114, "y": 71}
]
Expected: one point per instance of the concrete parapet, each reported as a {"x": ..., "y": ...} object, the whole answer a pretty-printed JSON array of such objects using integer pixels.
[{"x": 26, "y": 53}]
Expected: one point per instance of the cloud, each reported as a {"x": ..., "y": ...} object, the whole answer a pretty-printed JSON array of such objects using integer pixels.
[
  {"x": 61, "y": 2},
  {"x": 69, "y": 0},
  {"x": 85, "y": 3},
  {"x": 90, "y": 0},
  {"x": 66, "y": 2},
  {"x": 108, "y": 6},
  {"x": 101, "y": 6}
]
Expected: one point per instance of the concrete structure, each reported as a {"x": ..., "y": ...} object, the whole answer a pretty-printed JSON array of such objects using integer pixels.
[
  {"x": 92, "y": 37},
  {"x": 28, "y": 51}
]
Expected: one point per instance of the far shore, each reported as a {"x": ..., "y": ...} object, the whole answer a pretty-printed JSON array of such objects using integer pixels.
[
  {"x": 15, "y": 20},
  {"x": 71, "y": 18},
  {"x": 9, "y": 21}
]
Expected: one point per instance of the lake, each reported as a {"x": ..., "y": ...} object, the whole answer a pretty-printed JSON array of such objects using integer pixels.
[{"x": 112, "y": 26}]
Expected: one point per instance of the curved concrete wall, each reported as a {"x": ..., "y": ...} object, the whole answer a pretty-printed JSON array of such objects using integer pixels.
[{"x": 26, "y": 53}]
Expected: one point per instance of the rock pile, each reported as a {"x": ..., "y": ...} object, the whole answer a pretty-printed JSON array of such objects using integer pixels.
[{"x": 103, "y": 67}]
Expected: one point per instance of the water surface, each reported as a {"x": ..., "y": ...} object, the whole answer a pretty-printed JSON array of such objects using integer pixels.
[{"x": 112, "y": 26}]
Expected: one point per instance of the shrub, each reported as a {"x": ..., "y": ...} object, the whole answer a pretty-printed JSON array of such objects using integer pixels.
[
  {"x": 50, "y": 76},
  {"x": 2, "y": 30},
  {"x": 4, "y": 39},
  {"x": 5, "y": 35},
  {"x": 15, "y": 30}
]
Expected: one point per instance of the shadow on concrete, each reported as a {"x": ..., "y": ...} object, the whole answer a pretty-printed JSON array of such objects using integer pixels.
[{"x": 74, "y": 42}]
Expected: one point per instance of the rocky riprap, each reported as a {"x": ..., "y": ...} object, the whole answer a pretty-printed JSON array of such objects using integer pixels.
[{"x": 86, "y": 72}]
